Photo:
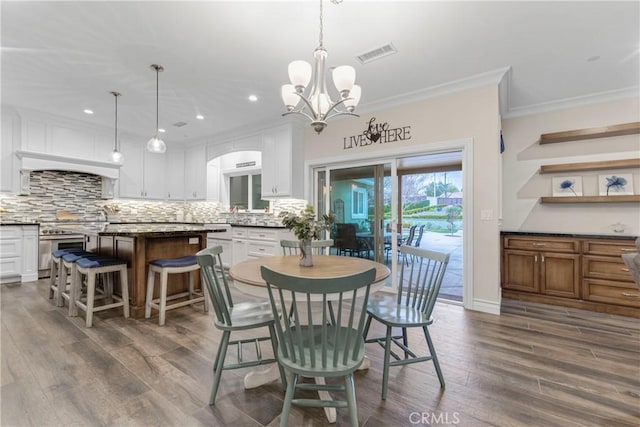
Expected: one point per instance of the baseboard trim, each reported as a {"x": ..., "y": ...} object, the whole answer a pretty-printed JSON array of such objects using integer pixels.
[{"x": 485, "y": 306}]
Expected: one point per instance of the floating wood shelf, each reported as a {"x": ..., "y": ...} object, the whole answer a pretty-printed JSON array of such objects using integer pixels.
[
  {"x": 590, "y": 166},
  {"x": 632, "y": 198},
  {"x": 581, "y": 134}
]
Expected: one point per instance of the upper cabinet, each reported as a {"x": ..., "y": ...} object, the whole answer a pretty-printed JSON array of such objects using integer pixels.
[
  {"x": 195, "y": 177},
  {"x": 142, "y": 175},
  {"x": 174, "y": 161},
  {"x": 282, "y": 163}
]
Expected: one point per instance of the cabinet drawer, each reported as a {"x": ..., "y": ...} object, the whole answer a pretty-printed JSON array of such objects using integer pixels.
[
  {"x": 240, "y": 233},
  {"x": 7, "y": 232},
  {"x": 10, "y": 267},
  {"x": 599, "y": 267},
  {"x": 608, "y": 247},
  {"x": 612, "y": 292},
  {"x": 262, "y": 249},
  {"x": 550, "y": 244},
  {"x": 10, "y": 248},
  {"x": 263, "y": 234}
]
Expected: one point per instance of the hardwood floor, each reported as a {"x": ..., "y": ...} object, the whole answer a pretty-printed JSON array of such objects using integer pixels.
[{"x": 534, "y": 365}]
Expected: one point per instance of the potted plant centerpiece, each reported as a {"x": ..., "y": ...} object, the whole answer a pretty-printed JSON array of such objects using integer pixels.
[{"x": 306, "y": 226}]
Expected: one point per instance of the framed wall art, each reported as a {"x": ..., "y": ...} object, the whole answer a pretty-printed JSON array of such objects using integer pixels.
[
  {"x": 567, "y": 186},
  {"x": 615, "y": 184}
]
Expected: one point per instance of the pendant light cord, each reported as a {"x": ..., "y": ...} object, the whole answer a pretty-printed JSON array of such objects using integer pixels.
[
  {"x": 321, "y": 35},
  {"x": 157, "y": 101},
  {"x": 115, "y": 136}
]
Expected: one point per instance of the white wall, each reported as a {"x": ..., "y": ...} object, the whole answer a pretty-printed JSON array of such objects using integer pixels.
[
  {"x": 523, "y": 185},
  {"x": 473, "y": 114}
]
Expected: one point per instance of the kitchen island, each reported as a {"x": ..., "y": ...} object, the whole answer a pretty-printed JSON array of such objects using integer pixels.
[{"x": 141, "y": 243}]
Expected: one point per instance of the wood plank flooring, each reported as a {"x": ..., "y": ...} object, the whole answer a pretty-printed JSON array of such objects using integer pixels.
[{"x": 535, "y": 365}]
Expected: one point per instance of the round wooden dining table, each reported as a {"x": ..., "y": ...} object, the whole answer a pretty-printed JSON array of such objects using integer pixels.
[{"x": 247, "y": 279}]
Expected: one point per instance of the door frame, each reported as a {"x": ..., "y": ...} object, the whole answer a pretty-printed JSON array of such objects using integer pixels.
[{"x": 464, "y": 145}]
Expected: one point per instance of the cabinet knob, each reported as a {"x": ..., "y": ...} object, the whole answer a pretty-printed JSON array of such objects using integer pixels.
[
  {"x": 542, "y": 258},
  {"x": 538, "y": 244},
  {"x": 630, "y": 295},
  {"x": 625, "y": 269},
  {"x": 535, "y": 259}
]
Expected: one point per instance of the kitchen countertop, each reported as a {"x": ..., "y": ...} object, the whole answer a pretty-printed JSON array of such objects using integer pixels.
[
  {"x": 19, "y": 223},
  {"x": 581, "y": 236},
  {"x": 257, "y": 225}
]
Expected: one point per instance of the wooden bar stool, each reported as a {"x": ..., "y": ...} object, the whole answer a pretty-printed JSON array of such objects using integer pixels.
[
  {"x": 58, "y": 275},
  {"x": 92, "y": 267},
  {"x": 164, "y": 267}
]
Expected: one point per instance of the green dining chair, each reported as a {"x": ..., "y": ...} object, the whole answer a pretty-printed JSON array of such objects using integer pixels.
[
  {"x": 419, "y": 284},
  {"x": 292, "y": 247},
  {"x": 309, "y": 344},
  {"x": 232, "y": 317}
]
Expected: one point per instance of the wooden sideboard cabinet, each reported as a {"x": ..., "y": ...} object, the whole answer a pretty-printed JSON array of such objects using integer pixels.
[
  {"x": 577, "y": 271},
  {"x": 550, "y": 266},
  {"x": 605, "y": 277}
]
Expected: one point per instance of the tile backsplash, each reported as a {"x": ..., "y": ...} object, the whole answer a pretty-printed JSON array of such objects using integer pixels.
[{"x": 80, "y": 194}]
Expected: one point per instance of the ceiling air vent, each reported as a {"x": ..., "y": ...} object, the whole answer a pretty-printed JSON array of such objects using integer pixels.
[
  {"x": 179, "y": 124},
  {"x": 377, "y": 53}
]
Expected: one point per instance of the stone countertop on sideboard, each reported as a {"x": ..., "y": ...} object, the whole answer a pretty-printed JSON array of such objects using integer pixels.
[
  {"x": 578, "y": 236},
  {"x": 18, "y": 222},
  {"x": 256, "y": 225}
]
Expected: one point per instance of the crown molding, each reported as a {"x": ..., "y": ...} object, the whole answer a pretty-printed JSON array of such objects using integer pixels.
[
  {"x": 493, "y": 77},
  {"x": 567, "y": 103}
]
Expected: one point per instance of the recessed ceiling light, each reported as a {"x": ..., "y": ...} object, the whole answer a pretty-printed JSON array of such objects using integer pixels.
[
  {"x": 200, "y": 117},
  {"x": 161, "y": 130},
  {"x": 87, "y": 111},
  {"x": 593, "y": 58},
  {"x": 253, "y": 98}
]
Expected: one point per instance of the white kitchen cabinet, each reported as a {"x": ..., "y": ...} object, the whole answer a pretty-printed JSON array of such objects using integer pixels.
[
  {"x": 282, "y": 162},
  {"x": 276, "y": 163},
  {"x": 175, "y": 173},
  {"x": 227, "y": 249},
  {"x": 195, "y": 177},
  {"x": 258, "y": 242},
  {"x": 10, "y": 133},
  {"x": 18, "y": 253},
  {"x": 143, "y": 174}
]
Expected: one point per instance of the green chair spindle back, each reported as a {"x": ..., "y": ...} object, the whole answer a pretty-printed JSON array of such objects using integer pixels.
[
  {"x": 421, "y": 278},
  {"x": 212, "y": 274}
]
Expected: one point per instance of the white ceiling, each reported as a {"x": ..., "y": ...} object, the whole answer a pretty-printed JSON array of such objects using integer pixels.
[{"x": 63, "y": 57}]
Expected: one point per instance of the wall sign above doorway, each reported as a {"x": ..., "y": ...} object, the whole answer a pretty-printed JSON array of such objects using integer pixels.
[{"x": 377, "y": 133}]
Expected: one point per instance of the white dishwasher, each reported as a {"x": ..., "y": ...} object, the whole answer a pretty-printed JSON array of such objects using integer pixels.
[{"x": 221, "y": 236}]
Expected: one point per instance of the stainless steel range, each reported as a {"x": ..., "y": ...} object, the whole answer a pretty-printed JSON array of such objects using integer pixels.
[{"x": 54, "y": 236}]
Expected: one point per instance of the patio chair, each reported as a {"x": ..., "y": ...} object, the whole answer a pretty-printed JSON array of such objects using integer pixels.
[
  {"x": 232, "y": 317},
  {"x": 347, "y": 241},
  {"x": 319, "y": 348},
  {"x": 419, "y": 285},
  {"x": 419, "y": 236}
]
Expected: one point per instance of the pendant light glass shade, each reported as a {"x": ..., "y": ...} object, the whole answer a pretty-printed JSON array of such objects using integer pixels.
[
  {"x": 155, "y": 144},
  {"x": 116, "y": 156}
]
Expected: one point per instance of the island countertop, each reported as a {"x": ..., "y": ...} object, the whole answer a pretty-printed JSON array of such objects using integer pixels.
[{"x": 146, "y": 229}]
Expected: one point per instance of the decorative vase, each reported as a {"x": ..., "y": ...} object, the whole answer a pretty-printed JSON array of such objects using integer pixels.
[{"x": 306, "y": 256}]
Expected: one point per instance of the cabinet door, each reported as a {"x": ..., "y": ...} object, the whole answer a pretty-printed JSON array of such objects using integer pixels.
[
  {"x": 521, "y": 270},
  {"x": 175, "y": 174},
  {"x": 560, "y": 274},
  {"x": 131, "y": 177},
  {"x": 239, "y": 250},
  {"x": 195, "y": 176},
  {"x": 154, "y": 175},
  {"x": 276, "y": 163},
  {"x": 30, "y": 253}
]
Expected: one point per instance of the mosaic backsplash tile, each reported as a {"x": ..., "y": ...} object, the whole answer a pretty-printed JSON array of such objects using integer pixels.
[{"x": 80, "y": 194}]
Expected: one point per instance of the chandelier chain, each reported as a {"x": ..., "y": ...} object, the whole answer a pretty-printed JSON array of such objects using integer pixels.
[{"x": 321, "y": 35}]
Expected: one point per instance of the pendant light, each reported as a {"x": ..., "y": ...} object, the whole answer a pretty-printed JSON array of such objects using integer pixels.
[
  {"x": 116, "y": 155},
  {"x": 155, "y": 144}
]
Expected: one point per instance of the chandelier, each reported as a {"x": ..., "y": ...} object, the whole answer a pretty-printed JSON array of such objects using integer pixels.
[{"x": 316, "y": 104}]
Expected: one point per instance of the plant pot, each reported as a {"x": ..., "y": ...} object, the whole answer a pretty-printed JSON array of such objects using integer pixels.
[{"x": 306, "y": 256}]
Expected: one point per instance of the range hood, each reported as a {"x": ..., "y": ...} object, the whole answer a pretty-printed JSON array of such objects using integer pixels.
[{"x": 30, "y": 160}]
